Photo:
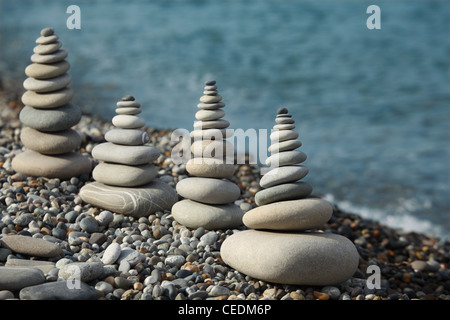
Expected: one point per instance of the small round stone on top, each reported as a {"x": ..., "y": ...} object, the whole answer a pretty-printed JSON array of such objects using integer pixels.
[
  {"x": 282, "y": 110},
  {"x": 47, "y": 32},
  {"x": 210, "y": 83},
  {"x": 128, "y": 98}
]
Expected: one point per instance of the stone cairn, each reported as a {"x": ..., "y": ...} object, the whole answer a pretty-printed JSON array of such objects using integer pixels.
[
  {"x": 284, "y": 248},
  {"x": 209, "y": 195},
  {"x": 48, "y": 115},
  {"x": 125, "y": 178}
]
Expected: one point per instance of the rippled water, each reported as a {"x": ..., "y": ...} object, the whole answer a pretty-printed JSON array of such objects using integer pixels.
[{"x": 371, "y": 106}]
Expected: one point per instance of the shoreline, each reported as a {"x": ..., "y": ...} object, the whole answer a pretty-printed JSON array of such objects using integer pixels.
[{"x": 394, "y": 251}]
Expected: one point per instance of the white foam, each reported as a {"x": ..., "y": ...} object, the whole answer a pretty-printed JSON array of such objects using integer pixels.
[{"x": 400, "y": 219}]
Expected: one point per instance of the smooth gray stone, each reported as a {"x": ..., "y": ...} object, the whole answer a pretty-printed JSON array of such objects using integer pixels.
[
  {"x": 287, "y": 145},
  {"x": 47, "y": 100},
  {"x": 137, "y": 202},
  {"x": 84, "y": 271},
  {"x": 62, "y": 166},
  {"x": 128, "y": 111},
  {"x": 281, "y": 175},
  {"x": 211, "y": 99},
  {"x": 44, "y": 266},
  {"x": 288, "y": 126},
  {"x": 128, "y": 155},
  {"x": 47, "y": 48},
  {"x": 308, "y": 258},
  {"x": 129, "y": 137},
  {"x": 292, "y": 215},
  {"x": 112, "y": 253},
  {"x": 202, "y": 167},
  {"x": 31, "y": 246},
  {"x": 47, "y": 39},
  {"x": 283, "y": 135},
  {"x": 123, "y": 175},
  {"x": 209, "y": 134},
  {"x": 125, "y": 121},
  {"x": 54, "y": 57},
  {"x": 212, "y": 124},
  {"x": 50, "y": 143},
  {"x": 286, "y": 158},
  {"x": 50, "y": 120},
  {"x": 194, "y": 215},
  {"x": 208, "y": 190},
  {"x": 47, "y": 85},
  {"x": 287, "y": 191},
  {"x": 207, "y": 115},
  {"x": 60, "y": 290},
  {"x": 46, "y": 71},
  {"x": 16, "y": 278},
  {"x": 284, "y": 120},
  {"x": 211, "y": 106}
]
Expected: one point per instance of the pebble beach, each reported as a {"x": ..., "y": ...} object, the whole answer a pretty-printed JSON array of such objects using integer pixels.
[{"x": 156, "y": 258}]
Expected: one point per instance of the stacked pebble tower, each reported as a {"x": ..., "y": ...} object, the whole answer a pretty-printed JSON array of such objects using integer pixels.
[
  {"x": 48, "y": 115},
  {"x": 209, "y": 196},
  {"x": 125, "y": 177},
  {"x": 284, "y": 248}
]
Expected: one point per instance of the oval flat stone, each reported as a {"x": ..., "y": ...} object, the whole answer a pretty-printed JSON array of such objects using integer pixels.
[
  {"x": 31, "y": 246},
  {"x": 211, "y": 99},
  {"x": 286, "y": 158},
  {"x": 287, "y": 191},
  {"x": 310, "y": 258},
  {"x": 128, "y": 104},
  {"x": 128, "y": 111},
  {"x": 62, "y": 166},
  {"x": 46, "y": 71},
  {"x": 283, "y": 135},
  {"x": 290, "y": 215},
  {"x": 124, "y": 176},
  {"x": 47, "y": 100},
  {"x": 284, "y": 120},
  {"x": 288, "y": 126},
  {"x": 128, "y": 137},
  {"x": 47, "y": 39},
  {"x": 202, "y": 167},
  {"x": 136, "y": 202},
  {"x": 212, "y": 134},
  {"x": 207, "y": 115},
  {"x": 288, "y": 145},
  {"x": 213, "y": 149},
  {"x": 129, "y": 155},
  {"x": 50, "y": 120},
  {"x": 50, "y": 143},
  {"x": 47, "y": 85},
  {"x": 60, "y": 290},
  {"x": 87, "y": 271},
  {"x": 281, "y": 175},
  {"x": 14, "y": 278},
  {"x": 112, "y": 253},
  {"x": 213, "y": 124},
  {"x": 128, "y": 122},
  {"x": 56, "y": 56},
  {"x": 47, "y": 48},
  {"x": 211, "y": 106},
  {"x": 194, "y": 214},
  {"x": 208, "y": 190}
]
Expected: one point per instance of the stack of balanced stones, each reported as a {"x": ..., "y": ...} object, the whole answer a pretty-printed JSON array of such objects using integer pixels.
[
  {"x": 125, "y": 177},
  {"x": 209, "y": 195},
  {"x": 281, "y": 246},
  {"x": 48, "y": 115}
]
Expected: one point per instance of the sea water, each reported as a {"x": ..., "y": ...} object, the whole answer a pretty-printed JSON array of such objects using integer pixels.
[{"x": 371, "y": 105}]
